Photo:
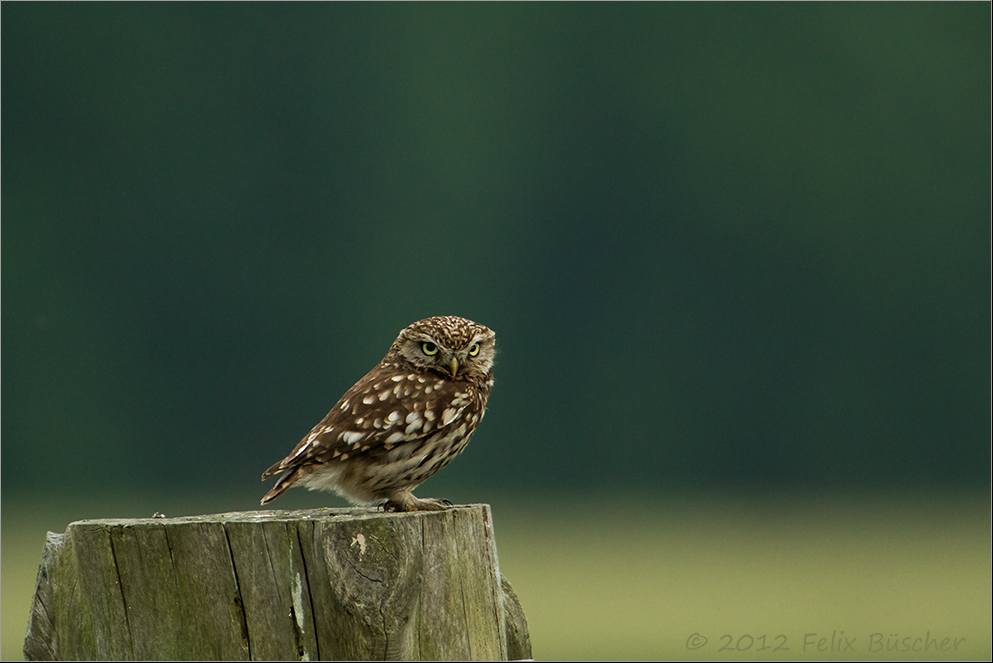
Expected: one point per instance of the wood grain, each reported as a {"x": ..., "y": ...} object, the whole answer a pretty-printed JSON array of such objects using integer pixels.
[{"x": 327, "y": 584}]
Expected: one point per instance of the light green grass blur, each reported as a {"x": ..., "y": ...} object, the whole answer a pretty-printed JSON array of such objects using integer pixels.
[{"x": 637, "y": 579}]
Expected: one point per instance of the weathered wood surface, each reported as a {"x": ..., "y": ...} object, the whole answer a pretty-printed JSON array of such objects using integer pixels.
[{"x": 277, "y": 585}]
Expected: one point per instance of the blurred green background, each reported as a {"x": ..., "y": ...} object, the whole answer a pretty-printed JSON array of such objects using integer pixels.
[{"x": 736, "y": 256}]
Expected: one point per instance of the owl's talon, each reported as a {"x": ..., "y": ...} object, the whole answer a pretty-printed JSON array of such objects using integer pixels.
[{"x": 416, "y": 504}]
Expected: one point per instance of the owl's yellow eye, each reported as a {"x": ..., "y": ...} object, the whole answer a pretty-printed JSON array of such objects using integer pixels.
[
  {"x": 429, "y": 348},
  {"x": 474, "y": 349}
]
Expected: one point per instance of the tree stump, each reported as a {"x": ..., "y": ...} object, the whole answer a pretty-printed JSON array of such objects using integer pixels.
[{"x": 277, "y": 585}]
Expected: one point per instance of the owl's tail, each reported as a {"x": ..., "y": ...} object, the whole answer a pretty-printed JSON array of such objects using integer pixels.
[
  {"x": 282, "y": 484},
  {"x": 275, "y": 469}
]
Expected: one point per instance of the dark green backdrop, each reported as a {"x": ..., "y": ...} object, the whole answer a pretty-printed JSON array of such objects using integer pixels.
[{"x": 722, "y": 246}]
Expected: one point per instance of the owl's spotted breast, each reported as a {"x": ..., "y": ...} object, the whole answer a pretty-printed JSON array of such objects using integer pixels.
[{"x": 401, "y": 423}]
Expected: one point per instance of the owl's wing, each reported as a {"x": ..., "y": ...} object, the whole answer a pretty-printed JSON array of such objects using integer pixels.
[{"x": 382, "y": 410}]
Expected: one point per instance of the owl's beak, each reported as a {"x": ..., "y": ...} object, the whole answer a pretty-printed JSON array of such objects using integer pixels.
[{"x": 454, "y": 366}]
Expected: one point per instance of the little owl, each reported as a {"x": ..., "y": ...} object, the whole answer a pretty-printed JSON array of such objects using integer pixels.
[{"x": 406, "y": 419}]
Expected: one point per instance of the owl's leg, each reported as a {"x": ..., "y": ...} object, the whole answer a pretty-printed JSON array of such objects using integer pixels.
[{"x": 404, "y": 500}]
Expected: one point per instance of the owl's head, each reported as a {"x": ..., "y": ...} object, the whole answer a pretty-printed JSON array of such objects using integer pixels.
[{"x": 453, "y": 347}]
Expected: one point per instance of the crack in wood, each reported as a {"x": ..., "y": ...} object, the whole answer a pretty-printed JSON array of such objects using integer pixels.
[
  {"x": 310, "y": 590},
  {"x": 238, "y": 601},
  {"x": 120, "y": 587}
]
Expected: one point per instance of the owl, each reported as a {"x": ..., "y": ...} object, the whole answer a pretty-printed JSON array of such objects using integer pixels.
[{"x": 406, "y": 419}]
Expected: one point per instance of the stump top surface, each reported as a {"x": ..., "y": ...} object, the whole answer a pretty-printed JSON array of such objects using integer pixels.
[{"x": 276, "y": 515}]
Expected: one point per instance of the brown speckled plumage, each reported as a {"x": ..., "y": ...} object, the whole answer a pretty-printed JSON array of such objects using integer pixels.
[{"x": 405, "y": 420}]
